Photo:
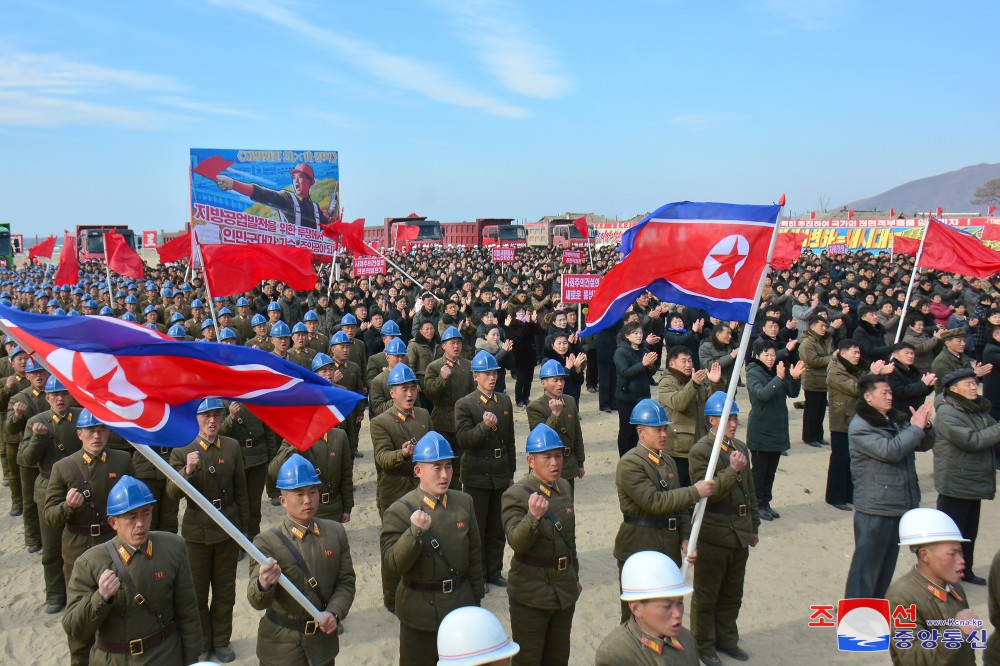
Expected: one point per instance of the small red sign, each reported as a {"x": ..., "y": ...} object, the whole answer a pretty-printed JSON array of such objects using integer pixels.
[
  {"x": 573, "y": 257},
  {"x": 503, "y": 254},
  {"x": 148, "y": 240},
  {"x": 367, "y": 266},
  {"x": 579, "y": 288}
]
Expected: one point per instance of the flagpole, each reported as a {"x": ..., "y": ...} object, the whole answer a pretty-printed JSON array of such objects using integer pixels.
[
  {"x": 909, "y": 287},
  {"x": 241, "y": 539},
  {"x": 329, "y": 282},
  {"x": 208, "y": 292},
  {"x": 399, "y": 268},
  {"x": 590, "y": 251},
  {"x": 713, "y": 461}
]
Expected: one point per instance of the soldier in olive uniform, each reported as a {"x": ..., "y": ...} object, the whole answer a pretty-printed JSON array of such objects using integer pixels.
[
  {"x": 656, "y": 509},
  {"x": 561, "y": 413},
  {"x": 377, "y": 363},
  {"x": 358, "y": 352},
  {"x": 430, "y": 538},
  {"x": 259, "y": 446},
  {"x": 316, "y": 340},
  {"x": 241, "y": 322},
  {"x": 133, "y": 597},
  {"x": 728, "y": 530},
  {"x": 447, "y": 380},
  {"x": 953, "y": 357},
  {"x": 485, "y": 424},
  {"x": 331, "y": 457},
  {"x": 301, "y": 353},
  {"x": 543, "y": 583},
  {"x": 347, "y": 375},
  {"x": 77, "y": 497},
  {"x": 26, "y": 404},
  {"x": 213, "y": 464},
  {"x": 315, "y": 556},
  {"x": 193, "y": 326},
  {"x": 379, "y": 399},
  {"x": 420, "y": 351},
  {"x": 50, "y": 437},
  {"x": 683, "y": 392},
  {"x": 260, "y": 338},
  {"x": 13, "y": 384}
]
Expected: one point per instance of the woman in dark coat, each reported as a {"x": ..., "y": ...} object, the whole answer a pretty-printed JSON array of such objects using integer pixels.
[
  {"x": 769, "y": 384},
  {"x": 635, "y": 366},
  {"x": 522, "y": 330},
  {"x": 573, "y": 360}
]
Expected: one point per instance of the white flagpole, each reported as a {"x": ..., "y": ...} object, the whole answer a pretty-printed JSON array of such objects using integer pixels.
[
  {"x": 400, "y": 269},
  {"x": 208, "y": 291},
  {"x": 909, "y": 287},
  {"x": 713, "y": 461}
]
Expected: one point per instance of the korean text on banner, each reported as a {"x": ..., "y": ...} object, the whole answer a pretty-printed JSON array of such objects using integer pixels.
[
  {"x": 368, "y": 266},
  {"x": 148, "y": 240},
  {"x": 503, "y": 255},
  {"x": 573, "y": 257},
  {"x": 579, "y": 288}
]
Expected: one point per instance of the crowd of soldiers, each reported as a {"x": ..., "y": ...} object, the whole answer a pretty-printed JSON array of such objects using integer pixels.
[{"x": 431, "y": 360}]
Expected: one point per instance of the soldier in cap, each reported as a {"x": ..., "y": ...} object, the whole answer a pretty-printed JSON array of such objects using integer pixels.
[
  {"x": 331, "y": 457},
  {"x": 77, "y": 497},
  {"x": 133, "y": 596},
  {"x": 50, "y": 437},
  {"x": 473, "y": 636},
  {"x": 259, "y": 339},
  {"x": 242, "y": 320},
  {"x": 193, "y": 326},
  {"x": 281, "y": 339},
  {"x": 484, "y": 421},
  {"x": 543, "y": 584},
  {"x": 656, "y": 508},
  {"x": 213, "y": 464},
  {"x": 29, "y": 402},
  {"x": 430, "y": 538},
  {"x": 301, "y": 353},
  {"x": 358, "y": 353},
  {"x": 295, "y": 207},
  {"x": 315, "y": 339},
  {"x": 653, "y": 590},
  {"x": 377, "y": 363},
  {"x": 315, "y": 556},
  {"x": 729, "y": 529},
  {"x": 446, "y": 380},
  {"x": 379, "y": 399},
  {"x": 259, "y": 446},
  {"x": 347, "y": 374},
  {"x": 561, "y": 413},
  {"x": 208, "y": 331},
  {"x": 953, "y": 358},
  {"x": 13, "y": 384}
]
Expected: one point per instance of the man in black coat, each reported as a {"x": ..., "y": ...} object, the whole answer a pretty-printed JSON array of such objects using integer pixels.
[
  {"x": 910, "y": 387},
  {"x": 870, "y": 336}
]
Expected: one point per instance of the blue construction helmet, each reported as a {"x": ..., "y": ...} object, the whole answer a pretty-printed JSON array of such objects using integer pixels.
[
  {"x": 300, "y": 328},
  {"x": 349, "y": 320},
  {"x": 91, "y": 305},
  {"x": 149, "y": 308},
  {"x": 321, "y": 360},
  {"x": 242, "y": 302},
  {"x": 543, "y": 438},
  {"x": 227, "y": 334},
  {"x": 649, "y": 412},
  {"x": 53, "y": 303},
  {"x": 87, "y": 420},
  {"x": 208, "y": 323},
  {"x": 106, "y": 311},
  {"x": 715, "y": 402},
  {"x": 432, "y": 447},
  {"x": 185, "y": 287},
  {"x": 390, "y": 328},
  {"x": 210, "y": 405},
  {"x": 196, "y": 303},
  {"x": 552, "y": 368},
  {"x": 225, "y": 311},
  {"x": 401, "y": 374},
  {"x": 53, "y": 385},
  {"x": 151, "y": 326},
  {"x": 340, "y": 338},
  {"x": 128, "y": 316},
  {"x": 450, "y": 333},
  {"x": 310, "y": 316},
  {"x": 258, "y": 319},
  {"x": 280, "y": 330},
  {"x": 484, "y": 362},
  {"x": 273, "y": 306},
  {"x": 176, "y": 317},
  {"x": 15, "y": 351},
  {"x": 296, "y": 472},
  {"x": 131, "y": 300},
  {"x": 176, "y": 331},
  {"x": 33, "y": 366},
  {"x": 59, "y": 312},
  {"x": 396, "y": 347},
  {"x": 168, "y": 283},
  {"x": 167, "y": 292},
  {"x": 127, "y": 495}
]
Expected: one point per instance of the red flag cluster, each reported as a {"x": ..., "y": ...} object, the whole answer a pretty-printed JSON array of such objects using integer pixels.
[
  {"x": 69, "y": 264},
  {"x": 234, "y": 269},
  {"x": 905, "y": 245},
  {"x": 43, "y": 249},
  {"x": 175, "y": 250},
  {"x": 122, "y": 259},
  {"x": 352, "y": 235},
  {"x": 581, "y": 225},
  {"x": 406, "y": 233},
  {"x": 788, "y": 249},
  {"x": 946, "y": 249}
]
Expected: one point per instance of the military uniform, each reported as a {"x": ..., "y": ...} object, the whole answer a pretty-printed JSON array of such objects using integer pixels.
[
  {"x": 259, "y": 445},
  {"x": 569, "y": 428},
  {"x": 656, "y": 509},
  {"x": 352, "y": 381},
  {"x": 358, "y": 355},
  {"x": 35, "y": 401},
  {"x": 628, "y": 645},
  {"x": 164, "y": 629},
  {"x": 544, "y": 573},
  {"x": 731, "y": 520},
  {"x": 241, "y": 324},
  {"x": 444, "y": 393},
  {"x": 932, "y": 603},
  {"x": 221, "y": 478},
  {"x": 946, "y": 363},
  {"x": 418, "y": 356},
  {"x": 379, "y": 399},
  {"x": 9, "y": 450},
  {"x": 260, "y": 342},
  {"x": 685, "y": 404},
  {"x": 376, "y": 364},
  {"x": 440, "y": 570},
  {"x": 286, "y": 634},
  {"x": 318, "y": 342},
  {"x": 44, "y": 451},
  {"x": 193, "y": 328},
  {"x": 166, "y": 508},
  {"x": 301, "y": 356},
  {"x": 331, "y": 456}
]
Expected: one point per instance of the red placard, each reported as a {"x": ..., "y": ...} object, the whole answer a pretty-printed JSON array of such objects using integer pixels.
[
  {"x": 148, "y": 240},
  {"x": 579, "y": 288},
  {"x": 503, "y": 255},
  {"x": 366, "y": 266},
  {"x": 573, "y": 257},
  {"x": 838, "y": 248}
]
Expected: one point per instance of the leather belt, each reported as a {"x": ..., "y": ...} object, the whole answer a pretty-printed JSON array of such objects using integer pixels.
[
  {"x": 398, "y": 471},
  {"x": 138, "y": 646},
  {"x": 93, "y": 530},
  {"x": 326, "y": 498},
  {"x": 657, "y": 523},
  {"x": 307, "y": 627},
  {"x": 446, "y": 586},
  {"x": 493, "y": 454},
  {"x": 219, "y": 503},
  {"x": 559, "y": 564},
  {"x": 728, "y": 509}
]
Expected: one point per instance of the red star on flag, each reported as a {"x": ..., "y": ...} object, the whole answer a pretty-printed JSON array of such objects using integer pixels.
[{"x": 727, "y": 262}]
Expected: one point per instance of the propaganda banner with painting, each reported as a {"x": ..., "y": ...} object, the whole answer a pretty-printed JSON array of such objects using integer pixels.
[{"x": 876, "y": 235}]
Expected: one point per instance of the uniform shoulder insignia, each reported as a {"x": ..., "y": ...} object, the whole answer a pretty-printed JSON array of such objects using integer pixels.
[
  {"x": 654, "y": 459},
  {"x": 655, "y": 646},
  {"x": 936, "y": 592},
  {"x": 545, "y": 491},
  {"x": 676, "y": 643}
]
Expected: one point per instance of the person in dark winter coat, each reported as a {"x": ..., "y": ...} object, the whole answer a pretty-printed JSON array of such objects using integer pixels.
[
  {"x": 770, "y": 383},
  {"x": 606, "y": 342},
  {"x": 679, "y": 335},
  {"x": 561, "y": 351},
  {"x": 719, "y": 349},
  {"x": 522, "y": 331},
  {"x": 991, "y": 382},
  {"x": 870, "y": 336},
  {"x": 635, "y": 365},
  {"x": 910, "y": 387}
]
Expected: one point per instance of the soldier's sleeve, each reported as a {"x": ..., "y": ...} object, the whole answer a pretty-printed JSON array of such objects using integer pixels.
[
  {"x": 433, "y": 384},
  {"x": 411, "y": 355},
  {"x": 380, "y": 399},
  {"x": 752, "y": 496},
  {"x": 284, "y": 452},
  {"x": 647, "y": 495},
  {"x": 372, "y": 370},
  {"x": 536, "y": 414},
  {"x": 240, "y": 491},
  {"x": 510, "y": 438},
  {"x": 472, "y": 434},
  {"x": 400, "y": 543},
  {"x": 178, "y": 462},
  {"x": 12, "y": 424},
  {"x": 698, "y": 465},
  {"x": 343, "y": 593},
  {"x": 385, "y": 455},
  {"x": 578, "y": 447},
  {"x": 258, "y": 598},
  {"x": 33, "y": 446},
  {"x": 86, "y": 610},
  {"x": 228, "y": 425},
  {"x": 477, "y": 577},
  {"x": 56, "y": 512},
  {"x": 346, "y": 472},
  {"x": 186, "y": 613},
  {"x": 519, "y": 525}
]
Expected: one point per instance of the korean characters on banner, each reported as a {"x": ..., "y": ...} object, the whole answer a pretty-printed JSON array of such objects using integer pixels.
[
  {"x": 579, "y": 288},
  {"x": 368, "y": 266},
  {"x": 503, "y": 255},
  {"x": 148, "y": 240},
  {"x": 278, "y": 197},
  {"x": 842, "y": 236},
  {"x": 573, "y": 257}
]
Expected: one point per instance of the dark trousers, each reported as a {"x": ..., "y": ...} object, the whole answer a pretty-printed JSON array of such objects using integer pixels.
[
  {"x": 683, "y": 472},
  {"x": 607, "y": 377},
  {"x": 486, "y": 502},
  {"x": 32, "y": 527},
  {"x": 839, "y": 485},
  {"x": 13, "y": 476},
  {"x": 543, "y": 634},
  {"x": 812, "y": 416},
  {"x": 876, "y": 547},
  {"x": 165, "y": 510},
  {"x": 52, "y": 561},
  {"x": 456, "y": 463},
  {"x": 965, "y": 513},
  {"x": 522, "y": 383},
  {"x": 417, "y": 648},
  {"x": 214, "y": 566},
  {"x": 591, "y": 368},
  {"x": 256, "y": 478},
  {"x": 627, "y": 435},
  {"x": 764, "y": 465},
  {"x": 718, "y": 596}
]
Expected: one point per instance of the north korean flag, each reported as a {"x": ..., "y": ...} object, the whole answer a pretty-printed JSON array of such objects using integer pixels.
[
  {"x": 147, "y": 387},
  {"x": 704, "y": 255}
]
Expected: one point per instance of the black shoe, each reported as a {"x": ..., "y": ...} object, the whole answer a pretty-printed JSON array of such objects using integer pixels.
[
  {"x": 606, "y": 410},
  {"x": 800, "y": 404},
  {"x": 842, "y": 507},
  {"x": 15, "y": 511},
  {"x": 815, "y": 445},
  {"x": 824, "y": 442},
  {"x": 764, "y": 513},
  {"x": 224, "y": 654},
  {"x": 591, "y": 389},
  {"x": 710, "y": 659},
  {"x": 784, "y": 453},
  {"x": 974, "y": 579},
  {"x": 34, "y": 548},
  {"x": 52, "y": 609},
  {"x": 497, "y": 582},
  {"x": 774, "y": 514},
  {"x": 242, "y": 554},
  {"x": 340, "y": 629},
  {"x": 735, "y": 653},
  {"x": 358, "y": 454}
]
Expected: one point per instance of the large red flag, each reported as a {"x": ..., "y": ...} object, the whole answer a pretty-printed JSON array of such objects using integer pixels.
[
  {"x": 788, "y": 249},
  {"x": 175, "y": 250},
  {"x": 43, "y": 249},
  {"x": 212, "y": 167},
  {"x": 69, "y": 265},
  {"x": 121, "y": 258},
  {"x": 351, "y": 235},
  {"x": 234, "y": 269},
  {"x": 991, "y": 232},
  {"x": 946, "y": 249},
  {"x": 581, "y": 225},
  {"x": 406, "y": 233},
  {"x": 905, "y": 245}
]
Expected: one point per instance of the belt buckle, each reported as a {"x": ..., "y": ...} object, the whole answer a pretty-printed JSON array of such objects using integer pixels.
[
  {"x": 217, "y": 503},
  {"x": 671, "y": 523},
  {"x": 95, "y": 530},
  {"x": 743, "y": 509},
  {"x": 567, "y": 451},
  {"x": 562, "y": 563},
  {"x": 313, "y": 583},
  {"x": 165, "y": 450},
  {"x": 447, "y": 586},
  {"x": 136, "y": 648},
  {"x": 86, "y": 493},
  {"x": 248, "y": 443},
  {"x": 310, "y": 628},
  {"x": 497, "y": 453},
  {"x": 211, "y": 469},
  {"x": 324, "y": 498}
]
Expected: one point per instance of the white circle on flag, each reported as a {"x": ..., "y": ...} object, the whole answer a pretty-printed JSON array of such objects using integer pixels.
[{"x": 725, "y": 260}]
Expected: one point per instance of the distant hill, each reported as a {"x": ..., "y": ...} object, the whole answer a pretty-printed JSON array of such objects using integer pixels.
[{"x": 952, "y": 191}]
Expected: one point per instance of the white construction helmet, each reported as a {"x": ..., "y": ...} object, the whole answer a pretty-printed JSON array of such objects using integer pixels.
[
  {"x": 472, "y": 635},
  {"x": 652, "y": 575},
  {"x": 920, "y": 526}
]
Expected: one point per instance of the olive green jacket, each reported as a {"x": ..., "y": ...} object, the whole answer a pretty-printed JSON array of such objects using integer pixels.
[
  {"x": 379, "y": 399},
  {"x": 488, "y": 455},
  {"x": 258, "y": 443},
  {"x": 389, "y": 432},
  {"x": 228, "y": 484},
  {"x": 628, "y": 645},
  {"x": 13, "y": 427},
  {"x": 816, "y": 353},
  {"x": 567, "y": 424},
  {"x": 911, "y": 589},
  {"x": 44, "y": 451},
  {"x": 945, "y": 363},
  {"x": 842, "y": 392},
  {"x": 685, "y": 404},
  {"x": 444, "y": 393},
  {"x": 334, "y": 463},
  {"x": 732, "y": 490}
]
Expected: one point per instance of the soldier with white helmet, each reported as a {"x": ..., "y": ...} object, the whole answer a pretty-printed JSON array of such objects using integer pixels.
[{"x": 473, "y": 636}]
